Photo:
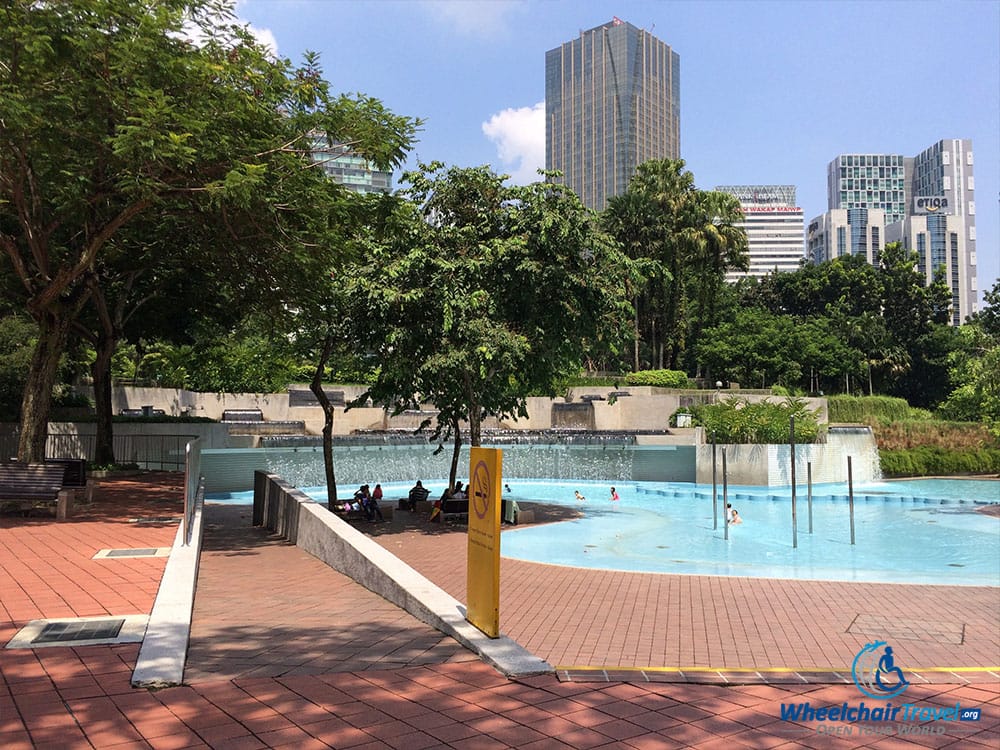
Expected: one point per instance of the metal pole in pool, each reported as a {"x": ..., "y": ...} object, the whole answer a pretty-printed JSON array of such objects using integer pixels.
[
  {"x": 725, "y": 494},
  {"x": 850, "y": 495},
  {"x": 715, "y": 496},
  {"x": 791, "y": 440},
  {"x": 809, "y": 484}
]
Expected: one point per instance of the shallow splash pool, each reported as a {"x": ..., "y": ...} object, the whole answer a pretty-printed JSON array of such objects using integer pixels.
[{"x": 917, "y": 531}]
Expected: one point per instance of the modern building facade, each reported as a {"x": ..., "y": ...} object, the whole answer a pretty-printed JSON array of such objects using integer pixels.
[
  {"x": 940, "y": 241},
  {"x": 612, "y": 102},
  {"x": 347, "y": 168},
  {"x": 846, "y": 231},
  {"x": 774, "y": 226},
  {"x": 927, "y": 203},
  {"x": 868, "y": 181},
  {"x": 942, "y": 183}
]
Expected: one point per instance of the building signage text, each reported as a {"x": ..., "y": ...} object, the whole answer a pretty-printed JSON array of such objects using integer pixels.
[{"x": 930, "y": 204}]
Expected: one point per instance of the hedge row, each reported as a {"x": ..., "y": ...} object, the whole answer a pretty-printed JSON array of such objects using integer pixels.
[
  {"x": 928, "y": 461},
  {"x": 934, "y": 434},
  {"x": 659, "y": 378},
  {"x": 872, "y": 409}
]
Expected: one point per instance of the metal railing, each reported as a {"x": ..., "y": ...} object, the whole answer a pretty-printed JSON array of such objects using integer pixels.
[
  {"x": 192, "y": 484},
  {"x": 162, "y": 452}
]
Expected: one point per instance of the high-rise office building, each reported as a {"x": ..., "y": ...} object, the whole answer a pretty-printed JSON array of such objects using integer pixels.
[
  {"x": 929, "y": 204},
  {"x": 942, "y": 182},
  {"x": 940, "y": 241},
  {"x": 348, "y": 168},
  {"x": 612, "y": 102},
  {"x": 869, "y": 181},
  {"x": 774, "y": 227},
  {"x": 846, "y": 231}
]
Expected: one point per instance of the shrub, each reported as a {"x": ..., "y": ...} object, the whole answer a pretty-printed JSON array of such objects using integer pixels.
[
  {"x": 737, "y": 420},
  {"x": 933, "y": 461},
  {"x": 872, "y": 409},
  {"x": 658, "y": 378},
  {"x": 935, "y": 433}
]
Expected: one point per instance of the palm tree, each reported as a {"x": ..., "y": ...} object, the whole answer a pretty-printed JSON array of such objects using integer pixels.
[{"x": 716, "y": 245}]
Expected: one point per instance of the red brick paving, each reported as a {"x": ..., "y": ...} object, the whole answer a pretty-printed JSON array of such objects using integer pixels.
[{"x": 81, "y": 697}]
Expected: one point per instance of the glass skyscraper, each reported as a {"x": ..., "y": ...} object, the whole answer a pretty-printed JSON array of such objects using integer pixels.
[
  {"x": 348, "y": 168},
  {"x": 612, "y": 102}
]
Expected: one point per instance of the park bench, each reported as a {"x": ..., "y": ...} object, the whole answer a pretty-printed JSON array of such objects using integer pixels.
[
  {"x": 455, "y": 510},
  {"x": 242, "y": 415},
  {"x": 145, "y": 411},
  {"x": 75, "y": 477},
  {"x": 27, "y": 486}
]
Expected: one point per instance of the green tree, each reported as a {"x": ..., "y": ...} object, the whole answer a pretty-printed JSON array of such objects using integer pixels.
[
  {"x": 483, "y": 294},
  {"x": 974, "y": 366},
  {"x": 108, "y": 113},
  {"x": 758, "y": 348},
  {"x": 684, "y": 241},
  {"x": 916, "y": 313},
  {"x": 16, "y": 332},
  {"x": 717, "y": 245}
]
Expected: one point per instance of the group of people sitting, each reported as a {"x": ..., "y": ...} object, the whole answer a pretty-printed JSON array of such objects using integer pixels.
[{"x": 367, "y": 500}]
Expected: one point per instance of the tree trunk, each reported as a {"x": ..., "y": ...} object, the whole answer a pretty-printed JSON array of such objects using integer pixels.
[
  {"x": 104, "y": 448},
  {"x": 53, "y": 330},
  {"x": 317, "y": 388},
  {"x": 475, "y": 422},
  {"x": 457, "y": 434},
  {"x": 635, "y": 357}
]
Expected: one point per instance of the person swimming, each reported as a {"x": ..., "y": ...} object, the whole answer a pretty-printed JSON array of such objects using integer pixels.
[{"x": 579, "y": 497}]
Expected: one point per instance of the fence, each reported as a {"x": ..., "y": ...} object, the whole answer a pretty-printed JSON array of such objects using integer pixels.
[{"x": 163, "y": 452}]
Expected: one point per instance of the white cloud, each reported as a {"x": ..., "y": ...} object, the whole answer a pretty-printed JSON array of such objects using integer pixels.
[
  {"x": 519, "y": 135},
  {"x": 265, "y": 37},
  {"x": 481, "y": 18}
]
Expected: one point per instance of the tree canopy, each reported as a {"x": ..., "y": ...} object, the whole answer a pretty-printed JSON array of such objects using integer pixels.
[
  {"x": 111, "y": 115},
  {"x": 482, "y": 294},
  {"x": 684, "y": 240}
]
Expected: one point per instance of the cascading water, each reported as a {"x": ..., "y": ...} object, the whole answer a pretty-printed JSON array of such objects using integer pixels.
[
  {"x": 828, "y": 460},
  {"x": 858, "y": 442},
  {"x": 388, "y": 457}
]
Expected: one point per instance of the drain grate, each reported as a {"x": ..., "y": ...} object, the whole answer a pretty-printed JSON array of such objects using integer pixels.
[
  {"x": 81, "y": 631},
  {"x": 77, "y": 630},
  {"x": 148, "y": 552},
  {"x": 105, "y": 554},
  {"x": 155, "y": 519}
]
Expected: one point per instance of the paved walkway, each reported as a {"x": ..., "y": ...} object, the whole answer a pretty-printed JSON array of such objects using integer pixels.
[{"x": 408, "y": 688}]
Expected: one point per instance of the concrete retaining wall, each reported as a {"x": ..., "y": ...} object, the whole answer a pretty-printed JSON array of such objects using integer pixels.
[{"x": 646, "y": 408}]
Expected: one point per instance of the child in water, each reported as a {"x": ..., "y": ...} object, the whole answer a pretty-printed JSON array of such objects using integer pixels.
[
  {"x": 614, "y": 495},
  {"x": 580, "y": 497}
]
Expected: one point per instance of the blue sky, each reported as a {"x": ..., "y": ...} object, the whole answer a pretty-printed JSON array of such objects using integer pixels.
[{"x": 771, "y": 92}]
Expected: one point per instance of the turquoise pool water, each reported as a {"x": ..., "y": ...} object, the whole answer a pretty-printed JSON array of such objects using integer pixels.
[{"x": 916, "y": 531}]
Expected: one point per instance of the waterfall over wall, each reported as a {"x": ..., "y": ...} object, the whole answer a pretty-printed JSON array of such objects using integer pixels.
[{"x": 829, "y": 460}]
